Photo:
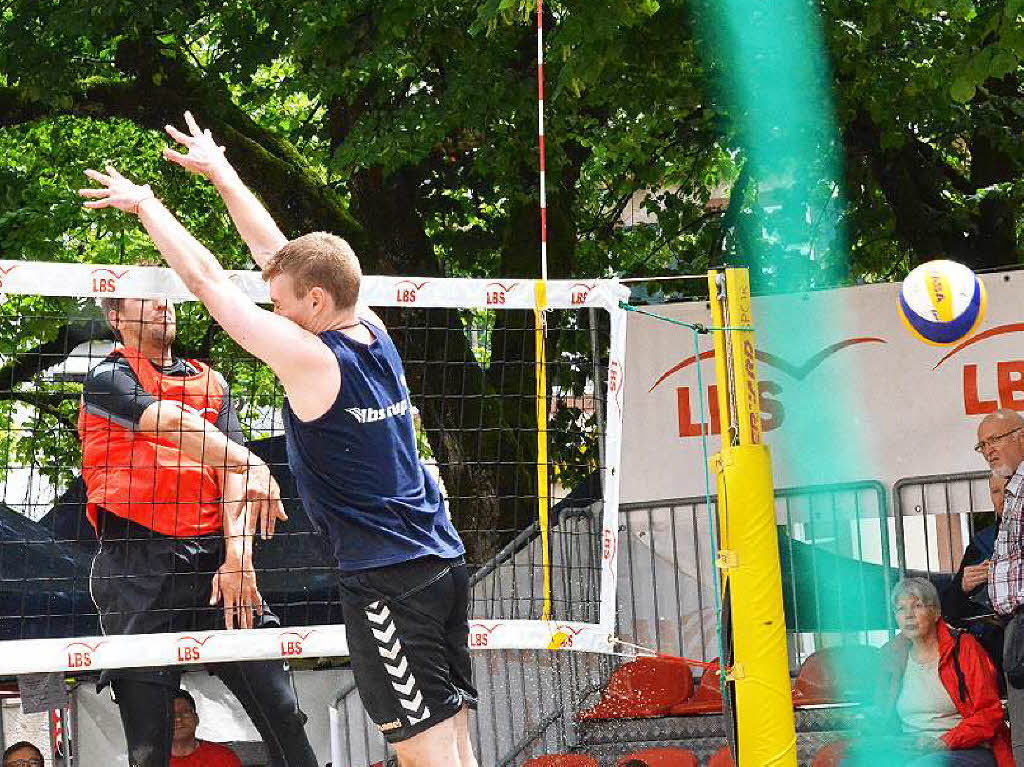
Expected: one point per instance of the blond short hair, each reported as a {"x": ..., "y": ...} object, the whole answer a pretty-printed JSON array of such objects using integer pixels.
[{"x": 319, "y": 259}]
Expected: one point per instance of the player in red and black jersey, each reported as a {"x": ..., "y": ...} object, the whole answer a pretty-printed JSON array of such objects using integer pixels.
[{"x": 175, "y": 498}]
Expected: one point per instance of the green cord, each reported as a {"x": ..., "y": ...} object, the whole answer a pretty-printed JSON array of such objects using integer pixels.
[
  {"x": 713, "y": 518},
  {"x": 699, "y": 330},
  {"x": 695, "y": 326}
]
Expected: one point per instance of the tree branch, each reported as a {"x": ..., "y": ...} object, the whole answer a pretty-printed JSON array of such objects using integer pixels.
[{"x": 300, "y": 201}]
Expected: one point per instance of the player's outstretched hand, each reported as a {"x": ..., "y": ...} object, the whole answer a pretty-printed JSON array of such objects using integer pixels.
[
  {"x": 205, "y": 156},
  {"x": 234, "y": 585},
  {"x": 264, "y": 497},
  {"x": 115, "y": 191}
]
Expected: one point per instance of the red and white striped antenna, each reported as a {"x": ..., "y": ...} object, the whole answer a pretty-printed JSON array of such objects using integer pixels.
[{"x": 540, "y": 133}]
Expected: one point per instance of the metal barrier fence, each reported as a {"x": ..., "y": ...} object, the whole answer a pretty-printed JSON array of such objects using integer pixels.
[
  {"x": 836, "y": 551},
  {"x": 935, "y": 517}
]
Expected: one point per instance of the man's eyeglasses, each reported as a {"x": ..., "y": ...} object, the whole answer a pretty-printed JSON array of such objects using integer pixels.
[
  {"x": 33, "y": 762},
  {"x": 985, "y": 444}
]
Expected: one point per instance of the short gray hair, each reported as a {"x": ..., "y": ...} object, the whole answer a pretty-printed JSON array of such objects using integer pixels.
[{"x": 922, "y": 588}]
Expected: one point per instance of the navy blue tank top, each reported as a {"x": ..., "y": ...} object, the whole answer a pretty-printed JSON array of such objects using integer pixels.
[{"x": 357, "y": 468}]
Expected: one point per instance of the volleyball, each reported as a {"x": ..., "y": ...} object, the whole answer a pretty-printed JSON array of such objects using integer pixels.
[{"x": 942, "y": 302}]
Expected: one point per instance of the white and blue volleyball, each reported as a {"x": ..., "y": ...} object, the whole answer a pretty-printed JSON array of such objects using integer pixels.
[{"x": 942, "y": 302}]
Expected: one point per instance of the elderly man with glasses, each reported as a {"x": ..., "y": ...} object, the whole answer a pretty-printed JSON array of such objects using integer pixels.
[{"x": 1001, "y": 442}]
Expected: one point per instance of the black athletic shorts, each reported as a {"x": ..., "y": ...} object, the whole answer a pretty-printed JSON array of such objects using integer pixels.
[
  {"x": 143, "y": 582},
  {"x": 408, "y": 631}
]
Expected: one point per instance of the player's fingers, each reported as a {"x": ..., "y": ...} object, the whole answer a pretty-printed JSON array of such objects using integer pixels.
[
  {"x": 178, "y": 158},
  {"x": 96, "y": 204},
  {"x": 193, "y": 126},
  {"x": 274, "y": 513},
  {"x": 266, "y": 519},
  {"x": 177, "y": 135},
  {"x": 112, "y": 172},
  {"x": 95, "y": 175},
  {"x": 93, "y": 192}
]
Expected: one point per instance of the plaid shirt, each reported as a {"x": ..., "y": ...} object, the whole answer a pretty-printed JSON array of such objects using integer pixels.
[{"x": 1006, "y": 570}]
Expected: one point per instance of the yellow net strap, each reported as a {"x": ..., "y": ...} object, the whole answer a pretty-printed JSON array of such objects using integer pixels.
[{"x": 543, "y": 501}]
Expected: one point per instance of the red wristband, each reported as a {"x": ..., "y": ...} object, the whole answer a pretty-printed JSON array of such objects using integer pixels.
[{"x": 135, "y": 207}]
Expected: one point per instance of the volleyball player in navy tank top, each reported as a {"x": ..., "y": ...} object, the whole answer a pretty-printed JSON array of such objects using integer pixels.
[
  {"x": 359, "y": 468},
  {"x": 352, "y": 449}
]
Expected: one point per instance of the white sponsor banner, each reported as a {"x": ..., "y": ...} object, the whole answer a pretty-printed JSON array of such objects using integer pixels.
[
  {"x": 53, "y": 279},
  {"x": 847, "y": 393},
  {"x": 26, "y": 656}
]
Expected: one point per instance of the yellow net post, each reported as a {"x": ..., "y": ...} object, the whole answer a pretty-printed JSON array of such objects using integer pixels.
[
  {"x": 543, "y": 501},
  {"x": 749, "y": 550}
]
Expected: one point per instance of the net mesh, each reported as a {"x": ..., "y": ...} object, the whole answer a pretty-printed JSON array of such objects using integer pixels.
[{"x": 471, "y": 372}]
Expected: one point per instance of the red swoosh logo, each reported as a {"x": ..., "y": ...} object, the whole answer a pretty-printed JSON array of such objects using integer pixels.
[
  {"x": 484, "y": 626},
  {"x": 303, "y": 637},
  {"x": 198, "y": 641},
  {"x": 410, "y": 282},
  {"x": 505, "y": 288},
  {"x": 118, "y": 275},
  {"x": 798, "y": 372},
  {"x": 91, "y": 648},
  {"x": 998, "y": 330}
]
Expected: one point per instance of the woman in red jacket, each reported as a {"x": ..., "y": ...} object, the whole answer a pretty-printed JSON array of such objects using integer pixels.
[{"x": 937, "y": 689}]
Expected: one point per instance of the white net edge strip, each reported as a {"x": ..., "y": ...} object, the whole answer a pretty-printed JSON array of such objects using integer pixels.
[
  {"x": 75, "y": 655},
  {"x": 91, "y": 281},
  {"x": 126, "y": 651}
]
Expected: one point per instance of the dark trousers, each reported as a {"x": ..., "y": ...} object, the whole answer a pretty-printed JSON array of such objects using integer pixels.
[{"x": 263, "y": 689}]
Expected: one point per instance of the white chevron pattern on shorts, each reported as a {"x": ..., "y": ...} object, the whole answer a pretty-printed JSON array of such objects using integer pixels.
[
  {"x": 389, "y": 647},
  {"x": 398, "y": 672},
  {"x": 417, "y": 719},
  {"x": 415, "y": 703},
  {"x": 384, "y": 636},
  {"x": 405, "y": 689},
  {"x": 379, "y": 617},
  {"x": 392, "y": 652}
]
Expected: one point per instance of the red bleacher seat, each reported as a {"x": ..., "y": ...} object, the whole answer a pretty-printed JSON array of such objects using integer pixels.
[
  {"x": 830, "y": 755},
  {"x": 721, "y": 758},
  {"x": 662, "y": 757},
  {"x": 706, "y": 700},
  {"x": 836, "y": 675},
  {"x": 562, "y": 760},
  {"x": 642, "y": 688}
]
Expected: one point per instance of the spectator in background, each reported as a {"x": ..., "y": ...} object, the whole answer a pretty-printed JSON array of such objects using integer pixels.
[
  {"x": 1001, "y": 442},
  {"x": 189, "y": 751},
  {"x": 965, "y": 601},
  {"x": 937, "y": 703},
  {"x": 23, "y": 754}
]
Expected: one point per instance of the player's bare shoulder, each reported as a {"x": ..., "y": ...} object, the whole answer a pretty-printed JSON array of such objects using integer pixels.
[{"x": 313, "y": 381}]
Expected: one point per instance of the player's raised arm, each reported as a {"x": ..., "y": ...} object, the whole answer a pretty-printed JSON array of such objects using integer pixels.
[
  {"x": 206, "y": 158},
  {"x": 296, "y": 355}
]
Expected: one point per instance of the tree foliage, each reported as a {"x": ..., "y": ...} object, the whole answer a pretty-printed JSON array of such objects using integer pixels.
[{"x": 409, "y": 127}]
